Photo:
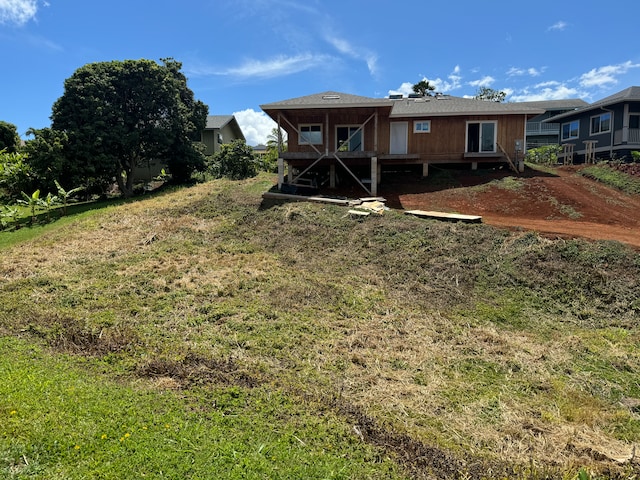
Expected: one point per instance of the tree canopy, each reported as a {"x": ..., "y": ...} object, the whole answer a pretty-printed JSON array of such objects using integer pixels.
[
  {"x": 9, "y": 138},
  {"x": 423, "y": 87},
  {"x": 120, "y": 115},
  {"x": 490, "y": 95}
]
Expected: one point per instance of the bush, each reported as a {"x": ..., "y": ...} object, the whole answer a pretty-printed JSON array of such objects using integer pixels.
[
  {"x": 235, "y": 160},
  {"x": 15, "y": 175},
  {"x": 546, "y": 155}
]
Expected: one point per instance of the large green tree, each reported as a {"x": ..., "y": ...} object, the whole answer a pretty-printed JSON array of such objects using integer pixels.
[
  {"x": 120, "y": 115},
  {"x": 9, "y": 138},
  {"x": 45, "y": 149}
]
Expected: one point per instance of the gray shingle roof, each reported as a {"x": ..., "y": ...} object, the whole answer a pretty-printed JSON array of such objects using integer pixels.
[
  {"x": 218, "y": 121},
  {"x": 630, "y": 94},
  {"x": 327, "y": 100},
  {"x": 444, "y": 105},
  {"x": 570, "y": 103}
]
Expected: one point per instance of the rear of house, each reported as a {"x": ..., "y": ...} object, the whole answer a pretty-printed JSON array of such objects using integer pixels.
[{"x": 362, "y": 136}]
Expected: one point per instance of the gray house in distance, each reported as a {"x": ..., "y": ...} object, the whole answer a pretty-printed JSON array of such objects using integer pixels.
[
  {"x": 220, "y": 129},
  {"x": 540, "y": 132},
  {"x": 608, "y": 128}
]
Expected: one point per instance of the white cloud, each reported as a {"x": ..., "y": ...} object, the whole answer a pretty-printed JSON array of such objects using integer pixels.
[
  {"x": 547, "y": 91},
  {"x": 558, "y": 26},
  {"x": 518, "y": 72},
  {"x": 404, "y": 89},
  {"x": 607, "y": 75},
  {"x": 256, "y": 126},
  {"x": 485, "y": 81},
  {"x": 276, "y": 67},
  {"x": 344, "y": 47},
  {"x": 18, "y": 12}
]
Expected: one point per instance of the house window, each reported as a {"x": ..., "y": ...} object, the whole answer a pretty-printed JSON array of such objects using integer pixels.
[
  {"x": 423, "y": 126},
  {"x": 349, "y": 139},
  {"x": 481, "y": 137},
  {"x": 570, "y": 130},
  {"x": 601, "y": 123},
  {"x": 310, "y": 135},
  {"x": 634, "y": 121}
]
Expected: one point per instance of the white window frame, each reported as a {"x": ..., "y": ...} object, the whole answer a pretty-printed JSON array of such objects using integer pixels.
[
  {"x": 351, "y": 127},
  {"x": 570, "y": 137},
  {"x": 599, "y": 117},
  {"x": 422, "y": 126},
  {"x": 304, "y": 141},
  {"x": 495, "y": 136}
]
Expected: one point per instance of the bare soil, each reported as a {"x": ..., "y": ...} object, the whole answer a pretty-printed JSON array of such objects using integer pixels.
[{"x": 563, "y": 204}]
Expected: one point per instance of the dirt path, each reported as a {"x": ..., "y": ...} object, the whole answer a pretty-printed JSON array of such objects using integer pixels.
[{"x": 564, "y": 204}]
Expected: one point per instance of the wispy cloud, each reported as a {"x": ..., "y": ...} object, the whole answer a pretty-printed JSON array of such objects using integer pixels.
[
  {"x": 547, "y": 91},
  {"x": 517, "y": 72},
  {"x": 558, "y": 26},
  {"x": 17, "y": 12},
  {"x": 346, "y": 48},
  {"x": 607, "y": 75},
  {"x": 485, "y": 81},
  {"x": 275, "y": 67}
]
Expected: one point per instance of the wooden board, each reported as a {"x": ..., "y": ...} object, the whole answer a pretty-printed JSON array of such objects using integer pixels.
[
  {"x": 445, "y": 216},
  {"x": 303, "y": 198}
]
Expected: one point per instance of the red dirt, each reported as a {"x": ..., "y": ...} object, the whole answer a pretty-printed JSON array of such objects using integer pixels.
[{"x": 559, "y": 205}]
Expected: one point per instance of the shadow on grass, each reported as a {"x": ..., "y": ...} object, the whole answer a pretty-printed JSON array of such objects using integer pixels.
[{"x": 26, "y": 227}]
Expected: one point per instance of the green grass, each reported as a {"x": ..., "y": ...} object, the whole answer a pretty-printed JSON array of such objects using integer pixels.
[
  {"x": 269, "y": 330},
  {"x": 61, "y": 420},
  {"x": 609, "y": 176}
]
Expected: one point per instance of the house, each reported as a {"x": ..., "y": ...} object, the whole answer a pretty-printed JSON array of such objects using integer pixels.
[
  {"x": 541, "y": 133},
  {"x": 608, "y": 128},
  {"x": 220, "y": 129},
  {"x": 260, "y": 150},
  {"x": 362, "y": 136}
]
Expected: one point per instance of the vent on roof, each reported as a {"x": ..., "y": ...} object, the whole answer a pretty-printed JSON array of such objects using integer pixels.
[
  {"x": 331, "y": 97},
  {"x": 415, "y": 95},
  {"x": 395, "y": 97}
]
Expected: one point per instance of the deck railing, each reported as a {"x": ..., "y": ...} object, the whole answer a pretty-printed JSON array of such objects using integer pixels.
[
  {"x": 633, "y": 137},
  {"x": 539, "y": 128}
]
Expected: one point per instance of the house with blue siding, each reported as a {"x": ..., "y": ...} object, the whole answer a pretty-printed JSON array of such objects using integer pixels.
[{"x": 606, "y": 129}]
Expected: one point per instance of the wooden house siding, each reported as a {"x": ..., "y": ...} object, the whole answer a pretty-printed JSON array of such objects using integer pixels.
[
  {"x": 446, "y": 141},
  {"x": 382, "y": 125}
]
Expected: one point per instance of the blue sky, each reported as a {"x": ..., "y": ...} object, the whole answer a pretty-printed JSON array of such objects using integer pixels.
[{"x": 238, "y": 54}]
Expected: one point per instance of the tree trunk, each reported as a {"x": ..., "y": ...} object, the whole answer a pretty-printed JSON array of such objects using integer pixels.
[{"x": 125, "y": 183}]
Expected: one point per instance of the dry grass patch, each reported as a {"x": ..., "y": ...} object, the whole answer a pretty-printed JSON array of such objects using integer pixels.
[{"x": 477, "y": 346}]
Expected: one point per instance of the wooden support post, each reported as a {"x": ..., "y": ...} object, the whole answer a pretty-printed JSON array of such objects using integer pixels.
[
  {"x": 474, "y": 165},
  {"x": 425, "y": 169},
  {"x": 280, "y": 172},
  {"x": 374, "y": 176},
  {"x": 332, "y": 175}
]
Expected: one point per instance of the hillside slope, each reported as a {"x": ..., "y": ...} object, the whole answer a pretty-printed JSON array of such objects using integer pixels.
[{"x": 457, "y": 351}]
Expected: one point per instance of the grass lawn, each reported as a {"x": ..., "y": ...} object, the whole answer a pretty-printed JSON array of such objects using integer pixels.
[{"x": 205, "y": 333}]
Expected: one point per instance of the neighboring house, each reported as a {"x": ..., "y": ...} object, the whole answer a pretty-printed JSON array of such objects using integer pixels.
[
  {"x": 260, "y": 150},
  {"x": 608, "y": 128},
  {"x": 362, "y": 135},
  {"x": 540, "y": 132},
  {"x": 220, "y": 129}
]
